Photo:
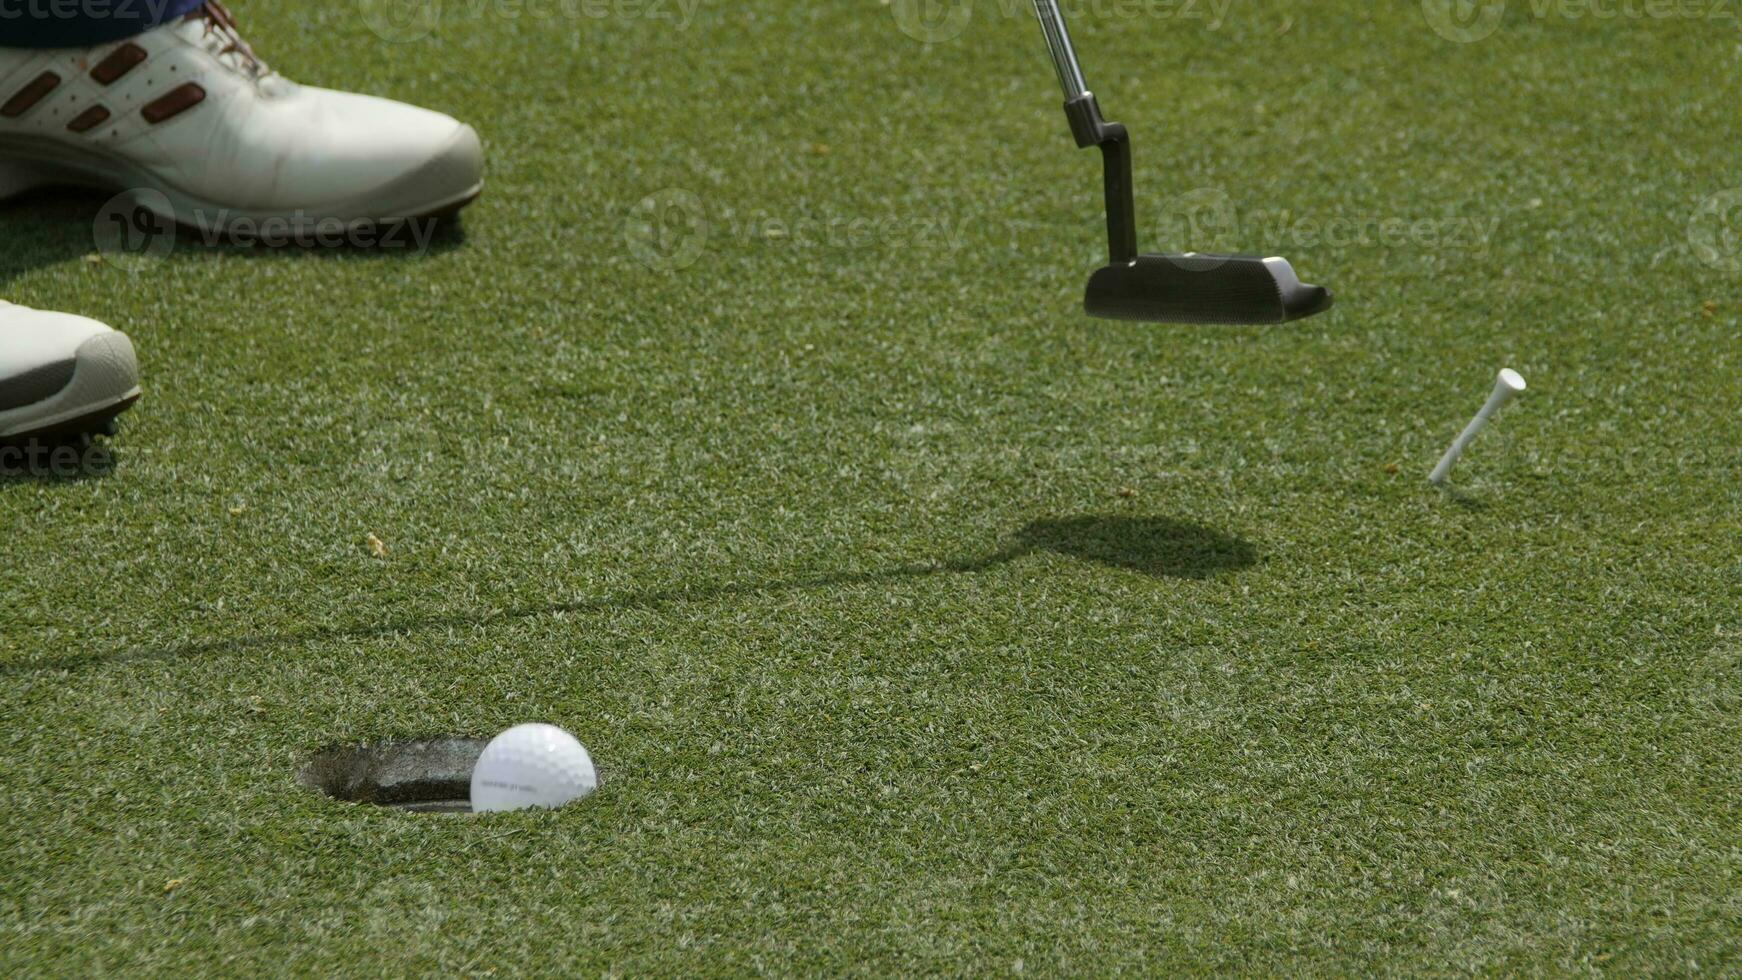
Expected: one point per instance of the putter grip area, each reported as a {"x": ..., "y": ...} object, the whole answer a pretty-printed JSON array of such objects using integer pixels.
[{"x": 1196, "y": 288}]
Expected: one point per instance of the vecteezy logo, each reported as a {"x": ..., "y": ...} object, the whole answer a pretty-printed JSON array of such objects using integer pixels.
[
  {"x": 932, "y": 21},
  {"x": 1715, "y": 230},
  {"x": 667, "y": 229},
  {"x": 1201, "y": 217},
  {"x": 401, "y": 21},
  {"x": 54, "y": 459},
  {"x": 133, "y": 230},
  {"x": 1463, "y": 21}
]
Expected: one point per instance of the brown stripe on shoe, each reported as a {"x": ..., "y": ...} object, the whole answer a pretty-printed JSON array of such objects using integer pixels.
[
  {"x": 89, "y": 119},
  {"x": 30, "y": 95},
  {"x": 178, "y": 101},
  {"x": 120, "y": 61}
]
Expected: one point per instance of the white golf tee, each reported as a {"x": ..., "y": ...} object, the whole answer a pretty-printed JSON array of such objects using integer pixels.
[{"x": 1508, "y": 384}]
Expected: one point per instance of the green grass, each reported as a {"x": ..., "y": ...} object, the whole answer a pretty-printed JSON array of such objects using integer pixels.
[{"x": 917, "y": 623}]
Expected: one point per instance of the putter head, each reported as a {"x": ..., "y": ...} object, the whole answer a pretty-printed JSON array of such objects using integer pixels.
[{"x": 1194, "y": 288}]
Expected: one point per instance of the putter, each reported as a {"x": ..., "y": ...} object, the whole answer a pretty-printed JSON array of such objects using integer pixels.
[{"x": 1173, "y": 288}]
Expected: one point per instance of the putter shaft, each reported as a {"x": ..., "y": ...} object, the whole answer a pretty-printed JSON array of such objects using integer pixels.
[{"x": 1058, "y": 41}]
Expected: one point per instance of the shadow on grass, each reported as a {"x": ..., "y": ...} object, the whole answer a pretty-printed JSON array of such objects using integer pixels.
[
  {"x": 1157, "y": 547},
  {"x": 1463, "y": 499},
  {"x": 51, "y": 226}
]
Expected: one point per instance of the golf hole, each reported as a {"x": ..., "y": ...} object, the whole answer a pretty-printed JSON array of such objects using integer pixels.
[{"x": 428, "y": 775}]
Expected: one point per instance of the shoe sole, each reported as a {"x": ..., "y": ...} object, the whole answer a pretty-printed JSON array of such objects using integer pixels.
[
  {"x": 438, "y": 188},
  {"x": 104, "y": 384}
]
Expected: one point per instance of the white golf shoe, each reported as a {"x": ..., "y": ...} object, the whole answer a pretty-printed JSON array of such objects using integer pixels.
[
  {"x": 61, "y": 374},
  {"x": 187, "y": 111}
]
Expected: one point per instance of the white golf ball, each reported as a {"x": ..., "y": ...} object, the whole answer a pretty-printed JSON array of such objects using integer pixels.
[{"x": 532, "y": 765}]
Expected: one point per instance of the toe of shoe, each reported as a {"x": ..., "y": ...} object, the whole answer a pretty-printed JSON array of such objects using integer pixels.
[
  {"x": 107, "y": 367},
  {"x": 104, "y": 381},
  {"x": 449, "y": 179},
  {"x": 376, "y": 158}
]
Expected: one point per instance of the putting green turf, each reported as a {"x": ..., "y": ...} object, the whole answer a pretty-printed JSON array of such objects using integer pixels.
[{"x": 917, "y": 622}]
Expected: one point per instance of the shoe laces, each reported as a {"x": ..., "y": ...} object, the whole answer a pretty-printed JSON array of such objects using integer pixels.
[{"x": 224, "y": 40}]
